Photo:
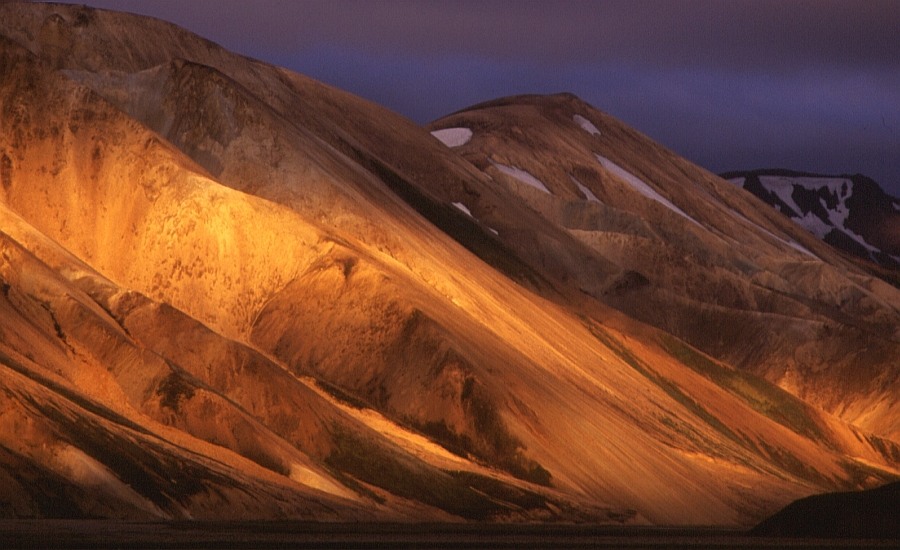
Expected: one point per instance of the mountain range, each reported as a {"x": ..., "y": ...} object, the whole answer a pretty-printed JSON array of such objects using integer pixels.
[{"x": 231, "y": 291}]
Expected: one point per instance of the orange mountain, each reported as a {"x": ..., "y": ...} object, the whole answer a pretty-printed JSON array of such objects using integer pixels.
[{"x": 230, "y": 291}]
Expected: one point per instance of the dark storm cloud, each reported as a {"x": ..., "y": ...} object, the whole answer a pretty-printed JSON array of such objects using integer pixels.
[
  {"x": 799, "y": 34},
  {"x": 811, "y": 85},
  {"x": 742, "y": 34}
]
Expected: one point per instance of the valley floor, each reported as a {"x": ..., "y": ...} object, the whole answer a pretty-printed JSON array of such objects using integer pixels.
[{"x": 100, "y": 534}]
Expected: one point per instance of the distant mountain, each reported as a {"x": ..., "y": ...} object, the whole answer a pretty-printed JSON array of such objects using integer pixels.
[
  {"x": 851, "y": 213},
  {"x": 870, "y": 514},
  {"x": 229, "y": 291}
]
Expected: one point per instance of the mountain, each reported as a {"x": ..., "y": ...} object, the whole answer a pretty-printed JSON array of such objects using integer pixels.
[
  {"x": 231, "y": 291},
  {"x": 704, "y": 261},
  {"x": 870, "y": 514},
  {"x": 851, "y": 213}
]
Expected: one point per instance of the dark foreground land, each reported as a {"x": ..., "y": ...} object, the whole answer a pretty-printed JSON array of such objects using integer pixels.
[{"x": 58, "y": 534}]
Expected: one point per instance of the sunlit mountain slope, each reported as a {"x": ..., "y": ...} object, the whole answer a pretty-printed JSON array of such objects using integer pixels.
[{"x": 310, "y": 307}]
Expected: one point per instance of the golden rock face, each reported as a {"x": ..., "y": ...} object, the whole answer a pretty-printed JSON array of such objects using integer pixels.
[{"x": 231, "y": 291}]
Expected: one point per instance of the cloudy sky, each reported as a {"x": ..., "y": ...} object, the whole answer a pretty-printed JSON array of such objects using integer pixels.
[{"x": 730, "y": 84}]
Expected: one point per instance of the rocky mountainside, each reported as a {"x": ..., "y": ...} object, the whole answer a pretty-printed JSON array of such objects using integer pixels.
[
  {"x": 851, "y": 213},
  {"x": 230, "y": 291},
  {"x": 703, "y": 260}
]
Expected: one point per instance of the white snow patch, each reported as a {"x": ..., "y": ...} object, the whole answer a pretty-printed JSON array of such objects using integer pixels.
[
  {"x": 842, "y": 188},
  {"x": 522, "y": 175},
  {"x": 783, "y": 187},
  {"x": 861, "y": 240},
  {"x": 463, "y": 208},
  {"x": 586, "y": 125},
  {"x": 814, "y": 225},
  {"x": 588, "y": 194},
  {"x": 453, "y": 137},
  {"x": 641, "y": 187},
  {"x": 738, "y": 181},
  {"x": 797, "y": 246},
  {"x": 897, "y": 206}
]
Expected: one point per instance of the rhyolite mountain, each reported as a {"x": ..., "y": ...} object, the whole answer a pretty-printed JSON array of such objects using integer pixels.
[
  {"x": 231, "y": 291},
  {"x": 850, "y": 212},
  {"x": 702, "y": 259}
]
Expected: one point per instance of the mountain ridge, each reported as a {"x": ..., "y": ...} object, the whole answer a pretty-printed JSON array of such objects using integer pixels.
[{"x": 274, "y": 279}]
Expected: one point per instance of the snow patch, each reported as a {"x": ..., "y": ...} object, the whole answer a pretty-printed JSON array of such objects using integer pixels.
[
  {"x": 897, "y": 206},
  {"x": 860, "y": 239},
  {"x": 641, "y": 187},
  {"x": 453, "y": 137},
  {"x": 842, "y": 188},
  {"x": 463, "y": 208},
  {"x": 586, "y": 125},
  {"x": 797, "y": 246},
  {"x": 783, "y": 189},
  {"x": 588, "y": 194},
  {"x": 522, "y": 175},
  {"x": 814, "y": 225},
  {"x": 738, "y": 181}
]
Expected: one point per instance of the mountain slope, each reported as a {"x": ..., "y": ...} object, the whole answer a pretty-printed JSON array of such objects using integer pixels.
[
  {"x": 870, "y": 514},
  {"x": 707, "y": 263},
  {"x": 182, "y": 231},
  {"x": 272, "y": 276}
]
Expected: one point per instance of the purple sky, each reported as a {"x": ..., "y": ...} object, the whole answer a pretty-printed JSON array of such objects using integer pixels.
[{"x": 730, "y": 84}]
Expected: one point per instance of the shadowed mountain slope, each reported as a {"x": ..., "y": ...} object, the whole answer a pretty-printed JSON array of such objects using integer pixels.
[
  {"x": 318, "y": 310},
  {"x": 851, "y": 213},
  {"x": 870, "y": 514},
  {"x": 707, "y": 262}
]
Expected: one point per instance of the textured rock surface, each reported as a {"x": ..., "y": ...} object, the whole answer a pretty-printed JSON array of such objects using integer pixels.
[{"x": 232, "y": 291}]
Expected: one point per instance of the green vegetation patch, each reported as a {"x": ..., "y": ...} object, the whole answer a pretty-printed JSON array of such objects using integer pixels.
[
  {"x": 521, "y": 498},
  {"x": 761, "y": 395},
  {"x": 671, "y": 389},
  {"x": 790, "y": 463},
  {"x": 504, "y": 451}
]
